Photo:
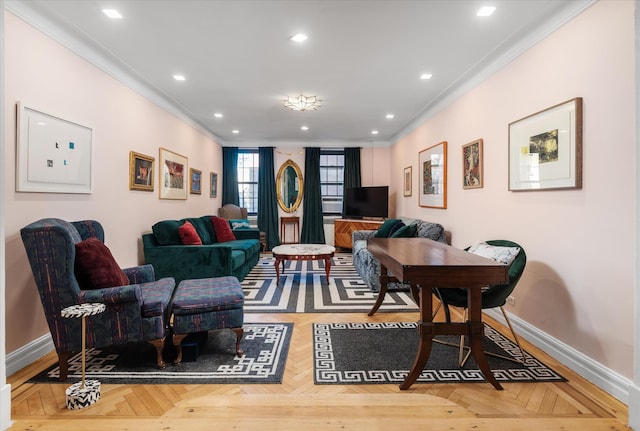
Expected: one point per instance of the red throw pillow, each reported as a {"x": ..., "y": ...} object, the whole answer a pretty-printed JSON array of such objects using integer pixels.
[
  {"x": 222, "y": 229},
  {"x": 188, "y": 234},
  {"x": 95, "y": 266}
]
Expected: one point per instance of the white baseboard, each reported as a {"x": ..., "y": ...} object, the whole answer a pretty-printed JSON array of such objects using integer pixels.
[
  {"x": 634, "y": 407},
  {"x": 28, "y": 354},
  {"x": 5, "y": 407},
  {"x": 605, "y": 378}
]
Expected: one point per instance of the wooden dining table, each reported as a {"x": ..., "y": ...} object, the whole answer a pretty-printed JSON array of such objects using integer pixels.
[{"x": 426, "y": 265}]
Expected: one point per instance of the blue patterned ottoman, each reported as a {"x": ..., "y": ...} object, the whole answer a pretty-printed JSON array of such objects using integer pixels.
[{"x": 206, "y": 304}]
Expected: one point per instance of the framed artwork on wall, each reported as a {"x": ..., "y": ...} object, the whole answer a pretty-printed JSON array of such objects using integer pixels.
[
  {"x": 214, "y": 185},
  {"x": 195, "y": 181},
  {"x": 432, "y": 169},
  {"x": 472, "y": 165},
  {"x": 141, "y": 170},
  {"x": 545, "y": 149},
  {"x": 53, "y": 155},
  {"x": 173, "y": 168},
  {"x": 407, "y": 180}
]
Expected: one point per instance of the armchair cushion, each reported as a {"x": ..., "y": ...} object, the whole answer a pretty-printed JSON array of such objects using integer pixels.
[
  {"x": 240, "y": 224},
  {"x": 500, "y": 254},
  {"x": 188, "y": 234},
  {"x": 95, "y": 266},
  {"x": 222, "y": 229}
]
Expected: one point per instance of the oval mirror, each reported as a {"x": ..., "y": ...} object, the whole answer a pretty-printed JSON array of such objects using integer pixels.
[{"x": 289, "y": 186}]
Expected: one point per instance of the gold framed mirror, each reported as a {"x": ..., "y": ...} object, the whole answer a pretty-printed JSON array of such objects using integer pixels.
[{"x": 289, "y": 186}]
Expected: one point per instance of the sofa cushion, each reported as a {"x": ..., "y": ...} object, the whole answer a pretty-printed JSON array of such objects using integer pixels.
[
  {"x": 223, "y": 229},
  {"x": 166, "y": 232},
  {"x": 383, "y": 231},
  {"x": 407, "y": 231},
  {"x": 95, "y": 267},
  {"x": 188, "y": 234},
  {"x": 240, "y": 224}
]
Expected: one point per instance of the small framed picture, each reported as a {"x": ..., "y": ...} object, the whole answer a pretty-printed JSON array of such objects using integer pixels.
[
  {"x": 433, "y": 176},
  {"x": 214, "y": 185},
  {"x": 408, "y": 171},
  {"x": 545, "y": 149},
  {"x": 196, "y": 181},
  {"x": 472, "y": 165},
  {"x": 141, "y": 169},
  {"x": 173, "y": 169}
]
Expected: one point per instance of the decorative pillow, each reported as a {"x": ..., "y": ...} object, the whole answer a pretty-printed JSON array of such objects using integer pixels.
[
  {"x": 408, "y": 231},
  {"x": 223, "y": 229},
  {"x": 240, "y": 224},
  {"x": 395, "y": 228},
  {"x": 188, "y": 234},
  {"x": 500, "y": 254},
  {"x": 95, "y": 266},
  {"x": 383, "y": 231},
  {"x": 166, "y": 232}
]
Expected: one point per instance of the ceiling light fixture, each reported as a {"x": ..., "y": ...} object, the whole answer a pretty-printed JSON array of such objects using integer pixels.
[
  {"x": 374, "y": 132},
  {"x": 305, "y": 128},
  {"x": 235, "y": 132},
  {"x": 179, "y": 77},
  {"x": 299, "y": 38},
  {"x": 426, "y": 76},
  {"x": 302, "y": 103},
  {"x": 389, "y": 116},
  {"x": 217, "y": 115},
  {"x": 112, "y": 13},
  {"x": 486, "y": 11}
]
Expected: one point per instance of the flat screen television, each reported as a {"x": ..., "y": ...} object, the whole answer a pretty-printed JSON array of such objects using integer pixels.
[{"x": 370, "y": 202}]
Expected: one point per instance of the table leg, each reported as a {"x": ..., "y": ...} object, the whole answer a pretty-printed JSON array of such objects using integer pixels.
[
  {"x": 426, "y": 331},
  {"x": 277, "y": 264},
  {"x": 476, "y": 334},
  {"x": 327, "y": 266},
  {"x": 384, "y": 280}
]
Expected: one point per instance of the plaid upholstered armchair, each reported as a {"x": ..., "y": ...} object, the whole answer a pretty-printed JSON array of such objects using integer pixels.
[{"x": 70, "y": 265}]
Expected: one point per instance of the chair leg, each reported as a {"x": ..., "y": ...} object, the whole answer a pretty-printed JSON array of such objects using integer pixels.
[
  {"x": 515, "y": 337},
  {"x": 159, "y": 345},
  {"x": 63, "y": 363},
  {"x": 239, "y": 334}
]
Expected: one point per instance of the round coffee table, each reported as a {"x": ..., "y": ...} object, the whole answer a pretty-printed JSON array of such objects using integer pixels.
[{"x": 303, "y": 252}]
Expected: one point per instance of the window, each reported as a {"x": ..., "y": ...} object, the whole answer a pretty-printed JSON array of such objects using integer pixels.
[
  {"x": 331, "y": 181},
  {"x": 248, "y": 163}
]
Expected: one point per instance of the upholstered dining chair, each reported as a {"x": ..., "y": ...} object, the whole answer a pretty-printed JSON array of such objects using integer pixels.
[
  {"x": 232, "y": 212},
  {"x": 70, "y": 264},
  {"x": 492, "y": 296}
]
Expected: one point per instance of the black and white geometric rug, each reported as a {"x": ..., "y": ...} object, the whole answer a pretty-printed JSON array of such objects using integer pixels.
[
  {"x": 366, "y": 353},
  {"x": 266, "y": 346},
  {"x": 304, "y": 288}
]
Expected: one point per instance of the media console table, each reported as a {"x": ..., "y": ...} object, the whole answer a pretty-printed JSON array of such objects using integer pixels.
[
  {"x": 428, "y": 264},
  {"x": 343, "y": 228}
]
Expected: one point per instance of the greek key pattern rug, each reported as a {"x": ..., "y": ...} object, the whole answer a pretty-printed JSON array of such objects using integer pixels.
[
  {"x": 304, "y": 288},
  {"x": 367, "y": 353},
  {"x": 207, "y": 358}
]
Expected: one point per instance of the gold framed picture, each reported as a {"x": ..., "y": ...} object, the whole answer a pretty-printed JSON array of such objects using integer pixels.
[
  {"x": 214, "y": 185},
  {"x": 472, "y": 165},
  {"x": 408, "y": 172},
  {"x": 141, "y": 170},
  {"x": 196, "y": 181}
]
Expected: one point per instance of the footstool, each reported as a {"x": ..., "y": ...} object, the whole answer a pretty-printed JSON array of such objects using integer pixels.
[{"x": 206, "y": 304}]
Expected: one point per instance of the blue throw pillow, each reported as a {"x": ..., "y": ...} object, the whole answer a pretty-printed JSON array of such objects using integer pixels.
[{"x": 240, "y": 224}]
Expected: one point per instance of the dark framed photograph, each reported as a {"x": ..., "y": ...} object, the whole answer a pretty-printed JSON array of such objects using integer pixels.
[
  {"x": 545, "y": 149},
  {"x": 196, "y": 181},
  {"x": 472, "y": 165},
  {"x": 141, "y": 169}
]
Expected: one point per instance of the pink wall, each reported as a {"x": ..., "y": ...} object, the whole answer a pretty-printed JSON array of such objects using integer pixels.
[
  {"x": 44, "y": 75},
  {"x": 578, "y": 285}
]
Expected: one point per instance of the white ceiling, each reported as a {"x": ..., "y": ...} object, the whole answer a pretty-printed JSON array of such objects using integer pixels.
[{"x": 362, "y": 58}]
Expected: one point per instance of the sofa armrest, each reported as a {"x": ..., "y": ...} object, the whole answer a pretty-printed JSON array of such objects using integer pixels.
[
  {"x": 112, "y": 295},
  {"x": 140, "y": 274},
  {"x": 357, "y": 235}
]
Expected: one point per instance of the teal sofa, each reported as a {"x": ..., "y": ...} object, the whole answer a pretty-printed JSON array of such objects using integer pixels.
[{"x": 164, "y": 250}]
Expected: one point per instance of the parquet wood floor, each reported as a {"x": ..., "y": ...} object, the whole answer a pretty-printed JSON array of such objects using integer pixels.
[{"x": 298, "y": 404}]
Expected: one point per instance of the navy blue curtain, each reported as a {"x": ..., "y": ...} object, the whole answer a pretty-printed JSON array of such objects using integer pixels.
[
  {"x": 267, "y": 197},
  {"x": 230, "y": 176},
  {"x": 352, "y": 171},
  {"x": 312, "y": 221}
]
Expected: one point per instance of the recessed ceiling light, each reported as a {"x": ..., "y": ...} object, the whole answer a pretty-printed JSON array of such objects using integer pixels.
[
  {"x": 304, "y": 128},
  {"x": 112, "y": 13},
  {"x": 235, "y": 132},
  {"x": 179, "y": 77},
  {"x": 390, "y": 116},
  {"x": 300, "y": 37},
  {"x": 217, "y": 115},
  {"x": 486, "y": 11},
  {"x": 426, "y": 76},
  {"x": 374, "y": 132}
]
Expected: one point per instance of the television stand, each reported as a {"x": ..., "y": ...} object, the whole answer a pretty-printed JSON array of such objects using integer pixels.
[{"x": 343, "y": 228}]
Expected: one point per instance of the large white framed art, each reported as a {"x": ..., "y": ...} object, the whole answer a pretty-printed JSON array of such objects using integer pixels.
[
  {"x": 53, "y": 155},
  {"x": 545, "y": 149},
  {"x": 173, "y": 175},
  {"x": 432, "y": 166}
]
